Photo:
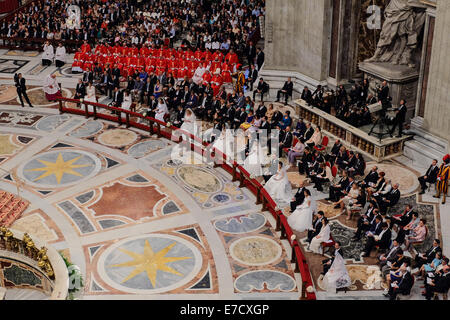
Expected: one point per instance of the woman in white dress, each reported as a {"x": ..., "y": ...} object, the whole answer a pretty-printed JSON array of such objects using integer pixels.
[
  {"x": 279, "y": 187},
  {"x": 161, "y": 110},
  {"x": 126, "y": 104},
  {"x": 301, "y": 219},
  {"x": 323, "y": 236},
  {"x": 90, "y": 96},
  {"x": 337, "y": 276},
  {"x": 190, "y": 122},
  {"x": 254, "y": 159}
]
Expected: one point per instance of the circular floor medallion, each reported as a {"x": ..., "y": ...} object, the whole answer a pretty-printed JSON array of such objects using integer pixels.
[
  {"x": 59, "y": 168},
  {"x": 117, "y": 137},
  {"x": 255, "y": 251},
  {"x": 150, "y": 263},
  {"x": 199, "y": 179}
]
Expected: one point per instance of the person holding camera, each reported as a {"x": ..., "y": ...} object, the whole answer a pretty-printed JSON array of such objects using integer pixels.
[{"x": 21, "y": 89}]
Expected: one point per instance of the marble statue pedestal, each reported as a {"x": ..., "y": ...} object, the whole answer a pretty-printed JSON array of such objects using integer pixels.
[{"x": 401, "y": 79}]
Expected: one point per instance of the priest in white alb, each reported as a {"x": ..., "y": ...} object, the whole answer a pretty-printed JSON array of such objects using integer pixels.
[{"x": 51, "y": 88}]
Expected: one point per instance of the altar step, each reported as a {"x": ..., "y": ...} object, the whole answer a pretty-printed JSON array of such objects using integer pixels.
[
  {"x": 424, "y": 147},
  {"x": 11, "y": 207},
  {"x": 25, "y": 294}
]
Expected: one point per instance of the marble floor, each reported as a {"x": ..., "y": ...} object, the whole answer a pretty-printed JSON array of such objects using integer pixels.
[{"x": 142, "y": 226}]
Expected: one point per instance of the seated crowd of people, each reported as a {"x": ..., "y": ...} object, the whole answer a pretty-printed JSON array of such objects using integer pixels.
[{"x": 202, "y": 24}]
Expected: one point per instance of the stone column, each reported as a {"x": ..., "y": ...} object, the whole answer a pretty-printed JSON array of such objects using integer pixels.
[
  {"x": 437, "y": 106},
  {"x": 297, "y": 42}
]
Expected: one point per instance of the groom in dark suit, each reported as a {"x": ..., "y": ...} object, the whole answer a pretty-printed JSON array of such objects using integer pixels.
[
  {"x": 328, "y": 262},
  {"x": 317, "y": 226},
  {"x": 299, "y": 196}
]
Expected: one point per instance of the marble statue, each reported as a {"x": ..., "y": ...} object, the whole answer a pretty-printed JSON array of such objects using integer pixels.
[{"x": 404, "y": 19}]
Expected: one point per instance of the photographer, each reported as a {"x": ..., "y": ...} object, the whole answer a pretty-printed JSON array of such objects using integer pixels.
[{"x": 21, "y": 89}]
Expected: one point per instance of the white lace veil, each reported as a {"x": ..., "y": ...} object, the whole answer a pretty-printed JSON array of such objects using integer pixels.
[{"x": 337, "y": 276}]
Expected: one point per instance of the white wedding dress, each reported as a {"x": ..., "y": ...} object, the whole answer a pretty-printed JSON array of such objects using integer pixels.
[
  {"x": 337, "y": 276},
  {"x": 279, "y": 187},
  {"x": 323, "y": 236},
  {"x": 190, "y": 124},
  {"x": 161, "y": 111},
  {"x": 255, "y": 159},
  {"x": 301, "y": 219},
  {"x": 90, "y": 96},
  {"x": 126, "y": 104}
]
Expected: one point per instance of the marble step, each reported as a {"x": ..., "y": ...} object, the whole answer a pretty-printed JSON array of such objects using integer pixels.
[
  {"x": 421, "y": 153},
  {"x": 25, "y": 294},
  {"x": 429, "y": 140}
]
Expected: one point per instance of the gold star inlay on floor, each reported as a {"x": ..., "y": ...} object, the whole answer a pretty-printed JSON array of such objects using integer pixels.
[
  {"x": 59, "y": 168},
  {"x": 149, "y": 262}
]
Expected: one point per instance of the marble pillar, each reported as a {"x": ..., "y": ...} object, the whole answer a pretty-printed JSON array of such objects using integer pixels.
[
  {"x": 437, "y": 105},
  {"x": 297, "y": 42}
]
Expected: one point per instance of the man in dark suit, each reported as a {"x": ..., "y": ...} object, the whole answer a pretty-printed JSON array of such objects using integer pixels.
[
  {"x": 305, "y": 161},
  {"x": 385, "y": 260},
  {"x": 252, "y": 76},
  {"x": 309, "y": 131},
  {"x": 403, "y": 286},
  {"x": 400, "y": 118},
  {"x": 259, "y": 58},
  {"x": 366, "y": 221},
  {"x": 390, "y": 199},
  {"x": 371, "y": 178},
  {"x": 80, "y": 90},
  {"x": 429, "y": 255},
  {"x": 262, "y": 88},
  {"x": 251, "y": 53},
  {"x": 383, "y": 93},
  {"x": 306, "y": 95},
  {"x": 299, "y": 196},
  {"x": 405, "y": 218},
  {"x": 261, "y": 110},
  {"x": 336, "y": 190},
  {"x": 382, "y": 240},
  {"x": 317, "y": 226},
  {"x": 441, "y": 281},
  {"x": 328, "y": 262},
  {"x": 21, "y": 89},
  {"x": 117, "y": 97},
  {"x": 430, "y": 176},
  {"x": 287, "y": 89},
  {"x": 286, "y": 142}
]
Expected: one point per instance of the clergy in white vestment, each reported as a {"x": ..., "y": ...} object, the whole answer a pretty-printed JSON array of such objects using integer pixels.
[
  {"x": 198, "y": 74},
  {"x": 48, "y": 55},
  {"x": 51, "y": 88},
  {"x": 60, "y": 56},
  {"x": 323, "y": 236}
]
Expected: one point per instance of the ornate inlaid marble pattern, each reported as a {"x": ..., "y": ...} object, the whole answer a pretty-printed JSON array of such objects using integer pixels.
[
  {"x": 398, "y": 174},
  {"x": 59, "y": 168},
  {"x": 255, "y": 251},
  {"x": 117, "y": 137}
]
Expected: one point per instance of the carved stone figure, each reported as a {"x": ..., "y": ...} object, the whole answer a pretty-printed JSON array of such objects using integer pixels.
[{"x": 404, "y": 20}]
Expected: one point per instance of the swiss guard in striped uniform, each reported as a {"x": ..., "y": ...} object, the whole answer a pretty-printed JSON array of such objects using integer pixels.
[
  {"x": 240, "y": 81},
  {"x": 443, "y": 177}
]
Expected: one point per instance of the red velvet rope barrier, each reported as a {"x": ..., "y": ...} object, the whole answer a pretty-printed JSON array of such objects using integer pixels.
[{"x": 238, "y": 173}]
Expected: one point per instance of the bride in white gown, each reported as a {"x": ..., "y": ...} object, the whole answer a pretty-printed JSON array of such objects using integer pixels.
[
  {"x": 190, "y": 123},
  {"x": 279, "y": 187},
  {"x": 225, "y": 142},
  {"x": 161, "y": 110},
  {"x": 301, "y": 219},
  {"x": 90, "y": 96},
  {"x": 126, "y": 104},
  {"x": 337, "y": 276},
  {"x": 255, "y": 159},
  {"x": 323, "y": 236}
]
